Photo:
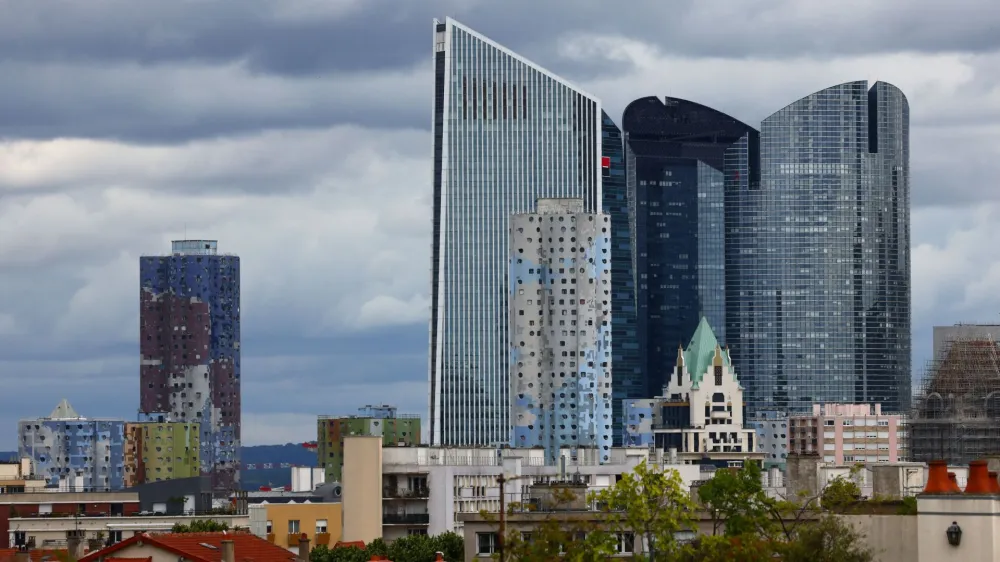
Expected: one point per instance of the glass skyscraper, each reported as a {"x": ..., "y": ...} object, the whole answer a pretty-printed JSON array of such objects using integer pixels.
[
  {"x": 821, "y": 253},
  {"x": 675, "y": 161},
  {"x": 506, "y": 133},
  {"x": 628, "y": 379}
]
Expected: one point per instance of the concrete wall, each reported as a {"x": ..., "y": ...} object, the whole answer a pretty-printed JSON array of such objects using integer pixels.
[
  {"x": 978, "y": 517},
  {"x": 362, "y": 511},
  {"x": 893, "y": 538}
]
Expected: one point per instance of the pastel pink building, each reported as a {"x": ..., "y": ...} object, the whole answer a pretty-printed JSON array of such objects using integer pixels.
[{"x": 849, "y": 433}]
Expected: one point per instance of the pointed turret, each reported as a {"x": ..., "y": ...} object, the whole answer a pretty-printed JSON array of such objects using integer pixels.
[{"x": 64, "y": 411}]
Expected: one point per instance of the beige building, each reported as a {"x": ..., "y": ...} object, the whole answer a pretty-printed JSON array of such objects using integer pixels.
[
  {"x": 849, "y": 433},
  {"x": 284, "y": 524},
  {"x": 362, "y": 499}
]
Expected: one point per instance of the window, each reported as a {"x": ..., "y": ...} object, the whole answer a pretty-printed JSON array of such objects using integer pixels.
[
  {"x": 293, "y": 527},
  {"x": 486, "y": 543},
  {"x": 626, "y": 543},
  {"x": 114, "y": 537},
  {"x": 270, "y": 527},
  {"x": 718, "y": 376},
  {"x": 321, "y": 525}
]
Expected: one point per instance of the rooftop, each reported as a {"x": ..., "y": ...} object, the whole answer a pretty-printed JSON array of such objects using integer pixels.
[{"x": 202, "y": 547}]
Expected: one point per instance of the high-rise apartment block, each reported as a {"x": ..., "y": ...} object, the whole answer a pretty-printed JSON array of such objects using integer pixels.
[
  {"x": 823, "y": 249},
  {"x": 190, "y": 349},
  {"x": 675, "y": 153},
  {"x": 156, "y": 451},
  {"x": 371, "y": 421},
  {"x": 506, "y": 133},
  {"x": 74, "y": 452},
  {"x": 849, "y": 433},
  {"x": 560, "y": 328}
]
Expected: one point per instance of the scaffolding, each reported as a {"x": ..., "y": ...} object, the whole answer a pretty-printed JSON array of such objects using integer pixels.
[{"x": 956, "y": 415}]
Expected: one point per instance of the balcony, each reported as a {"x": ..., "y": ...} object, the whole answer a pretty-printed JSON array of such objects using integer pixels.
[
  {"x": 323, "y": 539},
  {"x": 293, "y": 539},
  {"x": 390, "y": 492},
  {"x": 406, "y": 518},
  {"x": 270, "y": 538}
]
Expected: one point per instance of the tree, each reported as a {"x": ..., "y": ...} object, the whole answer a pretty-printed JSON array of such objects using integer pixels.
[
  {"x": 736, "y": 500},
  {"x": 200, "y": 526},
  {"x": 827, "y": 540},
  {"x": 413, "y": 548},
  {"x": 839, "y": 493},
  {"x": 653, "y": 505},
  {"x": 338, "y": 554}
]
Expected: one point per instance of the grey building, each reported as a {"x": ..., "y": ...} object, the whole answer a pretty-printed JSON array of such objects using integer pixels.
[
  {"x": 823, "y": 250},
  {"x": 560, "y": 328},
  {"x": 506, "y": 132}
]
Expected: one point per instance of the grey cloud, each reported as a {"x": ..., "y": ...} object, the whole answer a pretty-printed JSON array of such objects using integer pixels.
[{"x": 296, "y": 37}]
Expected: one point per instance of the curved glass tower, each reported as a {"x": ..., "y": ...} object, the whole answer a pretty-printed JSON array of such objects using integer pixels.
[
  {"x": 822, "y": 254},
  {"x": 506, "y": 133},
  {"x": 675, "y": 152}
]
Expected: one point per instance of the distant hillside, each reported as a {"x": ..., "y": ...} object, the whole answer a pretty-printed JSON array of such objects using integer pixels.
[{"x": 7, "y": 456}]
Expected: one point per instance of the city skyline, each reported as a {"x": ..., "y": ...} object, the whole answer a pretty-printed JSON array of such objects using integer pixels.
[{"x": 283, "y": 151}]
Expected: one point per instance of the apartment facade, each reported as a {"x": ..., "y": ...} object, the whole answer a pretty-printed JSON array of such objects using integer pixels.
[
  {"x": 560, "y": 328},
  {"x": 189, "y": 340},
  {"x": 506, "y": 133},
  {"x": 156, "y": 451},
  {"x": 376, "y": 421},
  {"x": 849, "y": 433},
  {"x": 74, "y": 452}
]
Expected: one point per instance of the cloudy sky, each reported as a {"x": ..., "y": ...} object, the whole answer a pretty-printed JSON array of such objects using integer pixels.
[{"x": 296, "y": 132}]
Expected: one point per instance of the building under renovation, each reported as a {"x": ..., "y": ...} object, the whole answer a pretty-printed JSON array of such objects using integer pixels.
[{"x": 956, "y": 413}]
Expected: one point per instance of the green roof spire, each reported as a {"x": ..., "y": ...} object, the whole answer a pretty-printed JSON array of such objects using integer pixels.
[{"x": 700, "y": 352}]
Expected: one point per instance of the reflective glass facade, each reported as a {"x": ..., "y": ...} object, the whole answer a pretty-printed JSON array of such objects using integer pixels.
[
  {"x": 822, "y": 253},
  {"x": 675, "y": 159},
  {"x": 506, "y": 133},
  {"x": 628, "y": 380}
]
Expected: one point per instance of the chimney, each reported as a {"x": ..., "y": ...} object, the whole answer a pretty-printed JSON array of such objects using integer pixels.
[
  {"x": 953, "y": 483},
  {"x": 979, "y": 479},
  {"x": 228, "y": 551},
  {"x": 303, "y": 548},
  {"x": 994, "y": 484},
  {"x": 438, "y": 556},
  {"x": 938, "y": 481}
]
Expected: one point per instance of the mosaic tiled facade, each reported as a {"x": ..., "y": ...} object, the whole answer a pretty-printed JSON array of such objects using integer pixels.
[
  {"x": 560, "y": 319},
  {"x": 156, "y": 451},
  {"x": 506, "y": 132},
  {"x": 79, "y": 453},
  {"x": 395, "y": 429},
  {"x": 190, "y": 349}
]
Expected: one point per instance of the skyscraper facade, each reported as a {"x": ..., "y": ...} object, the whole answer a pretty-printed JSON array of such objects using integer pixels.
[
  {"x": 675, "y": 161},
  {"x": 628, "y": 380},
  {"x": 190, "y": 349},
  {"x": 824, "y": 254},
  {"x": 506, "y": 132},
  {"x": 561, "y": 328}
]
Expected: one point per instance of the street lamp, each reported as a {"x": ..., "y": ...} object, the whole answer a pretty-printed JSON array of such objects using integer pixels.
[{"x": 954, "y": 534}]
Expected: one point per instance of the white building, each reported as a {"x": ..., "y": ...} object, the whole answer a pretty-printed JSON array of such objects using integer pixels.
[
  {"x": 560, "y": 328},
  {"x": 701, "y": 412},
  {"x": 426, "y": 488}
]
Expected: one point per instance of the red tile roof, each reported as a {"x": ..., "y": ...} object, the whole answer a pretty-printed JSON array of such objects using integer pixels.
[
  {"x": 112, "y": 559},
  {"x": 37, "y": 554},
  {"x": 202, "y": 547}
]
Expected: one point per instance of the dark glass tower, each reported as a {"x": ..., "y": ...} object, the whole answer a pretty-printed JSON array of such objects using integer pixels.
[
  {"x": 189, "y": 341},
  {"x": 628, "y": 379},
  {"x": 822, "y": 254},
  {"x": 675, "y": 160}
]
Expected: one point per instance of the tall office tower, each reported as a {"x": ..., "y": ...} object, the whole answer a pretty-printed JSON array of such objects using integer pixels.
[
  {"x": 73, "y": 452},
  {"x": 190, "y": 349},
  {"x": 506, "y": 132},
  {"x": 628, "y": 381},
  {"x": 560, "y": 328},
  {"x": 675, "y": 161},
  {"x": 824, "y": 291}
]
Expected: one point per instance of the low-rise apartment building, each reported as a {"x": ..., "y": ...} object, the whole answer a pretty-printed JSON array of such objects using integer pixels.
[{"x": 849, "y": 433}]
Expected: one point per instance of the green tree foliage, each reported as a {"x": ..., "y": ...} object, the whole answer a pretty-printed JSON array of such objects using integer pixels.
[
  {"x": 839, "y": 493},
  {"x": 572, "y": 537},
  {"x": 651, "y": 503},
  {"x": 827, "y": 540},
  {"x": 200, "y": 526},
  {"x": 413, "y": 548},
  {"x": 736, "y": 501}
]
